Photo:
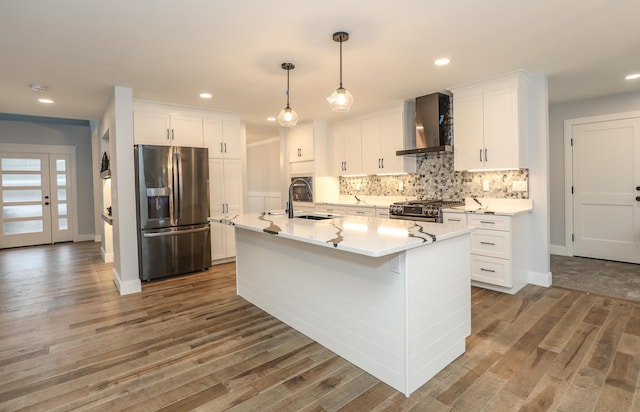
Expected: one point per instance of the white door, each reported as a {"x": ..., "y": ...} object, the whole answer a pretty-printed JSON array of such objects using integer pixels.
[
  {"x": 34, "y": 199},
  {"x": 606, "y": 186}
]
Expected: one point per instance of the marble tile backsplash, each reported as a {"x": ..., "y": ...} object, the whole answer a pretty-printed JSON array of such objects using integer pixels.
[{"x": 436, "y": 179}]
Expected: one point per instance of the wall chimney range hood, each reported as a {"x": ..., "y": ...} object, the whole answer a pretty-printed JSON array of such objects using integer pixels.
[{"x": 434, "y": 126}]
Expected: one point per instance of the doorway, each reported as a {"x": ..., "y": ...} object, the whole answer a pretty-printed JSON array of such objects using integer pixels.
[
  {"x": 36, "y": 195},
  {"x": 603, "y": 187}
]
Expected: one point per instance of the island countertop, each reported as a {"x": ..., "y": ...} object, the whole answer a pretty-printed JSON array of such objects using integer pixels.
[{"x": 368, "y": 236}]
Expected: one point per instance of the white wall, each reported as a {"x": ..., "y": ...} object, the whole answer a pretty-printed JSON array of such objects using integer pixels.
[
  {"x": 41, "y": 132},
  {"x": 558, "y": 113}
]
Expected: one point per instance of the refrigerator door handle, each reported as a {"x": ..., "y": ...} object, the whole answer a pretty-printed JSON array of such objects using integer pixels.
[
  {"x": 177, "y": 188},
  {"x": 175, "y": 232}
]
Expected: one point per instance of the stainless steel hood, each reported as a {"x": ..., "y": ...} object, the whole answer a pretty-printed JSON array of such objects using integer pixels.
[{"x": 434, "y": 126}]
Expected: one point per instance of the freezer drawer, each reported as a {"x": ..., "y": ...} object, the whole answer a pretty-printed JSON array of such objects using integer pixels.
[{"x": 173, "y": 251}]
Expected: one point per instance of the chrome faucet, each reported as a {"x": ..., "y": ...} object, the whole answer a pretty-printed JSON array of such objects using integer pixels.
[{"x": 290, "y": 204}]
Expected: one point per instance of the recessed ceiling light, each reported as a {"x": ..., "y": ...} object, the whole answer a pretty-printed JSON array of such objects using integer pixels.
[
  {"x": 46, "y": 101},
  {"x": 206, "y": 95},
  {"x": 633, "y": 76},
  {"x": 38, "y": 88},
  {"x": 442, "y": 62},
  {"x": 271, "y": 119}
]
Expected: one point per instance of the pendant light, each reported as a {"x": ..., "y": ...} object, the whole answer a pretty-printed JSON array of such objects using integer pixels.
[
  {"x": 340, "y": 100},
  {"x": 288, "y": 117}
]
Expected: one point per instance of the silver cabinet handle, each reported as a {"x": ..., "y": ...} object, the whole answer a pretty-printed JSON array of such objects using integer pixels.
[
  {"x": 173, "y": 134},
  {"x": 359, "y": 213},
  {"x": 176, "y": 232},
  {"x": 454, "y": 220},
  {"x": 481, "y": 155},
  {"x": 225, "y": 148},
  {"x": 382, "y": 163},
  {"x": 487, "y": 270},
  {"x": 168, "y": 135},
  {"x": 485, "y": 155},
  {"x": 487, "y": 243},
  {"x": 487, "y": 222}
]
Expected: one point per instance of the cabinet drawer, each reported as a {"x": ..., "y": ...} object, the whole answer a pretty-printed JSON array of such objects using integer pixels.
[
  {"x": 491, "y": 270},
  {"x": 382, "y": 212},
  {"x": 338, "y": 210},
  {"x": 491, "y": 243},
  {"x": 361, "y": 211},
  {"x": 490, "y": 222},
  {"x": 455, "y": 218}
]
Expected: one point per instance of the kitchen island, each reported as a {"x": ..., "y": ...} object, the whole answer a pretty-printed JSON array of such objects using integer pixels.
[{"x": 390, "y": 296}]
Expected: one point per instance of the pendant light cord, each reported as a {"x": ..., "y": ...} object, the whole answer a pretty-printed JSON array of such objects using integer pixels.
[{"x": 341, "y": 64}]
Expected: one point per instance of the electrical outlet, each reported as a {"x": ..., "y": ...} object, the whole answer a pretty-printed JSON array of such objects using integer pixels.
[
  {"x": 485, "y": 185},
  {"x": 400, "y": 185},
  {"x": 519, "y": 186},
  {"x": 358, "y": 186}
]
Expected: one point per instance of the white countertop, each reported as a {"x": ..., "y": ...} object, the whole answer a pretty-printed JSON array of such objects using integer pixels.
[
  {"x": 365, "y": 201},
  {"x": 368, "y": 236},
  {"x": 502, "y": 207}
]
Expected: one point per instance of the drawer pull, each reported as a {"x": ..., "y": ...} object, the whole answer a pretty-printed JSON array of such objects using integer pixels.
[
  {"x": 488, "y": 243},
  {"x": 360, "y": 213},
  {"x": 487, "y": 222},
  {"x": 454, "y": 220},
  {"x": 487, "y": 270}
]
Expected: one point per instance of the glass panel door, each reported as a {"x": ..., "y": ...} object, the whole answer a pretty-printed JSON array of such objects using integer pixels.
[
  {"x": 60, "y": 206},
  {"x": 25, "y": 206}
]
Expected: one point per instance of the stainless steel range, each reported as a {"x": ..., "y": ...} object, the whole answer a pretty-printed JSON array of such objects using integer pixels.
[{"x": 429, "y": 210}]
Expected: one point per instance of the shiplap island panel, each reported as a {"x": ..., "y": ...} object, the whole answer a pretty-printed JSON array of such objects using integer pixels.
[{"x": 392, "y": 297}]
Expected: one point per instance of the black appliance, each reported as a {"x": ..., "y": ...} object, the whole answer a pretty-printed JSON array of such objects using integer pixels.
[{"x": 429, "y": 210}]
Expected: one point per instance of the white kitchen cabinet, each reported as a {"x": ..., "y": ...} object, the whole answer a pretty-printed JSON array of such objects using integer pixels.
[
  {"x": 361, "y": 211},
  {"x": 158, "y": 126},
  {"x": 346, "y": 149},
  {"x": 332, "y": 209},
  {"x": 222, "y": 138},
  {"x": 382, "y": 212},
  {"x": 382, "y": 136},
  {"x": 225, "y": 191},
  {"x": 490, "y": 123},
  {"x": 498, "y": 249},
  {"x": 300, "y": 145}
]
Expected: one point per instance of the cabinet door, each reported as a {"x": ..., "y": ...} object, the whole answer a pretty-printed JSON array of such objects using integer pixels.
[
  {"x": 501, "y": 128},
  {"x": 300, "y": 145},
  {"x": 218, "y": 241},
  {"x": 186, "y": 131},
  {"x": 151, "y": 127},
  {"x": 232, "y": 184},
  {"x": 216, "y": 187},
  {"x": 371, "y": 158},
  {"x": 392, "y": 140},
  {"x": 455, "y": 218},
  {"x": 231, "y": 139},
  {"x": 468, "y": 132},
  {"x": 338, "y": 156},
  {"x": 353, "y": 148},
  {"x": 212, "y": 131}
]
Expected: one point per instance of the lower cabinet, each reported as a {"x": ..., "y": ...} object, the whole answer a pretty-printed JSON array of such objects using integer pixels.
[
  {"x": 331, "y": 209},
  {"x": 361, "y": 211},
  {"x": 498, "y": 250}
]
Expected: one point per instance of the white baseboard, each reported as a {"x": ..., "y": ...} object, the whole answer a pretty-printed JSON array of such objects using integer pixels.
[
  {"x": 539, "y": 279},
  {"x": 97, "y": 238},
  {"x": 558, "y": 250},
  {"x": 106, "y": 257},
  {"x": 126, "y": 287}
]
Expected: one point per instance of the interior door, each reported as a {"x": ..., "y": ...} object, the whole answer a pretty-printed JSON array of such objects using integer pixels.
[
  {"x": 25, "y": 198},
  {"x": 606, "y": 185}
]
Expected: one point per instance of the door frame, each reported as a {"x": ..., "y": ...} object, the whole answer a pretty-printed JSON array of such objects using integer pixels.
[
  {"x": 568, "y": 166},
  {"x": 56, "y": 149}
]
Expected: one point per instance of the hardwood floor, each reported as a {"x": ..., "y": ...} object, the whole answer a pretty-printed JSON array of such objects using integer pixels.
[{"x": 68, "y": 341}]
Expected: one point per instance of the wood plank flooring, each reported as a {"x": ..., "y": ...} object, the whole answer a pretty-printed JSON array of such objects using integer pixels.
[{"x": 68, "y": 341}]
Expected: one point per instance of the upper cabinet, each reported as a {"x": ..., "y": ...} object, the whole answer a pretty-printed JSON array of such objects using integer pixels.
[
  {"x": 368, "y": 145},
  {"x": 223, "y": 138},
  {"x": 300, "y": 144},
  {"x": 346, "y": 149},
  {"x": 164, "y": 125},
  {"x": 490, "y": 123}
]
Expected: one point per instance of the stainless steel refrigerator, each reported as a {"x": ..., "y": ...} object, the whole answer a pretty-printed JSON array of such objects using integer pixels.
[{"x": 172, "y": 192}]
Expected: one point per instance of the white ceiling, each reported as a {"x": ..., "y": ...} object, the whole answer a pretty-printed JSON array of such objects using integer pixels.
[{"x": 171, "y": 50}]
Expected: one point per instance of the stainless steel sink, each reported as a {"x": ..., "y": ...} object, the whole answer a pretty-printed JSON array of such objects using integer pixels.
[{"x": 315, "y": 217}]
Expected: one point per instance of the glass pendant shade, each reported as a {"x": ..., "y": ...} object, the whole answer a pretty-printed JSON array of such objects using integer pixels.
[
  {"x": 340, "y": 100},
  {"x": 288, "y": 117}
]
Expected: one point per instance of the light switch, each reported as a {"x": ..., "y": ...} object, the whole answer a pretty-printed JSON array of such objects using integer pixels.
[{"x": 485, "y": 185}]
